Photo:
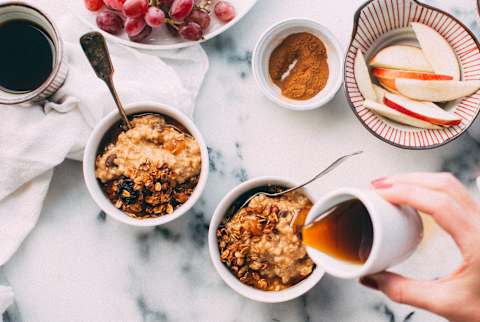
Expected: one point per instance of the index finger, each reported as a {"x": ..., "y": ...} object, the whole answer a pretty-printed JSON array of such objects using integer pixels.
[
  {"x": 445, "y": 210},
  {"x": 444, "y": 182}
]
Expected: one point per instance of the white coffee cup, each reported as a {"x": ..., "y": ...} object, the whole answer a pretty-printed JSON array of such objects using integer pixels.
[
  {"x": 397, "y": 231},
  {"x": 12, "y": 10}
]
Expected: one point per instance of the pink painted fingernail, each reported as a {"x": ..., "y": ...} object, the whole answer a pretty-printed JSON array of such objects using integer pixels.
[{"x": 381, "y": 183}]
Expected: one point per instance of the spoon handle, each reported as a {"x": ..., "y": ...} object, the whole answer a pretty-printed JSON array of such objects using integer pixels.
[
  {"x": 112, "y": 89},
  {"x": 95, "y": 48},
  {"x": 330, "y": 168}
]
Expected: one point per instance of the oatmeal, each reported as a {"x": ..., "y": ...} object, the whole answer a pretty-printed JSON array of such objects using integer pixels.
[
  {"x": 260, "y": 247},
  {"x": 150, "y": 169}
]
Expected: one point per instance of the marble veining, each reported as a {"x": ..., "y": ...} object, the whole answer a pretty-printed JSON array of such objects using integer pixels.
[
  {"x": 466, "y": 163},
  {"x": 225, "y": 48},
  {"x": 198, "y": 227},
  {"x": 80, "y": 265},
  {"x": 148, "y": 314},
  {"x": 220, "y": 167},
  {"x": 102, "y": 216},
  {"x": 217, "y": 163}
]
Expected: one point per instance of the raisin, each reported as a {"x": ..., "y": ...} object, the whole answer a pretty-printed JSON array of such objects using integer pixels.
[
  {"x": 283, "y": 213},
  {"x": 126, "y": 193},
  {"x": 109, "y": 161}
]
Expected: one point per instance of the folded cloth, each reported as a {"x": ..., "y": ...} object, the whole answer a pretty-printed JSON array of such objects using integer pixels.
[
  {"x": 35, "y": 139},
  {"x": 6, "y": 301},
  {"x": 6, "y": 297}
]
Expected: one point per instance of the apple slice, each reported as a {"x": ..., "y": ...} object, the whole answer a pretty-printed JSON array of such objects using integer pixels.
[
  {"x": 435, "y": 91},
  {"x": 362, "y": 76},
  {"x": 380, "y": 93},
  {"x": 402, "y": 57},
  {"x": 437, "y": 51},
  {"x": 389, "y": 84},
  {"x": 398, "y": 117},
  {"x": 394, "y": 73},
  {"x": 425, "y": 112}
]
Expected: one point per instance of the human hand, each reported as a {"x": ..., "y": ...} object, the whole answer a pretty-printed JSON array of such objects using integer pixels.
[{"x": 456, "y": 296}]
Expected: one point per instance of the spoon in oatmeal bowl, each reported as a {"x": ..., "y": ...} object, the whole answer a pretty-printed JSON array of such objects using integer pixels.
[
  {"x": 150, "y": 174},
  {"x": 95, "y": 48},
  {"x": 276, "y": 191},
  {"x": 255, "y": 250}
]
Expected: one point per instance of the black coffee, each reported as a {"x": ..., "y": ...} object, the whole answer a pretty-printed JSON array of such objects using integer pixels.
[{"x": 26, "y": 56}]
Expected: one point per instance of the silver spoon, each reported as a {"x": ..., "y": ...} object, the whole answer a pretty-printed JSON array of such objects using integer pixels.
[
  {"x": 95, "y": 48},
  {"x": 327, "y": 170}
]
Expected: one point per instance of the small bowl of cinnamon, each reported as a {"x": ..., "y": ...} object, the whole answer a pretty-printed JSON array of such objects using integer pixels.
[{"x": 298, "y": 64}]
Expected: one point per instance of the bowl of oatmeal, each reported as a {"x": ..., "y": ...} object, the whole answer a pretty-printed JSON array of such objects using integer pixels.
[
  {"x": 256, "y": 249},
  {"x": 149, "y": 174}
]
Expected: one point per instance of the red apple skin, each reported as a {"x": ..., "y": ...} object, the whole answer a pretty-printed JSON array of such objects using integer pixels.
[
  {"x": 403, "y": 110},
  {"x": 392, "y": 74},
  {"x": 388, "y": 83}
]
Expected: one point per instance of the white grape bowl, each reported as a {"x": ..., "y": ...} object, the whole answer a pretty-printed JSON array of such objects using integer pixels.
[{"x": 160, "y": 38}]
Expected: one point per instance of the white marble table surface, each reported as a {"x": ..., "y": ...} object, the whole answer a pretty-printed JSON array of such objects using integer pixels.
[{"x": 78, "y": 265}]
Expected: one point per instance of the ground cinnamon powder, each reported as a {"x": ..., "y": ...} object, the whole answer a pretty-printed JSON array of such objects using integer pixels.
[{"x": 299, "y": 66}]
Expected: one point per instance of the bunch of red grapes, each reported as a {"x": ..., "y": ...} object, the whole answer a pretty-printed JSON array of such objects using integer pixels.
[{"x": 189, "y": 19}]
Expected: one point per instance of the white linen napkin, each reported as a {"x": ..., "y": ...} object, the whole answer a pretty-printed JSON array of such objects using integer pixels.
[
  {"x": 35, "y": 139},
  {"x": 6, "y": 298}
]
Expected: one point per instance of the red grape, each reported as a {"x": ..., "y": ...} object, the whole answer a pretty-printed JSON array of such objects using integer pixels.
[
  {"x": 191, "y": 31},
  {"x": 167, "y": 3},
  {"x": 200, "y": 17},
  {"x": 133, "y": 26},
  {"x": 110, "y": 22},
  {"x": 147, "y": 30},
  {"x": 114, "y": 4},
  {"x": 135, "y": 8},
  {"x": 181, "y": 9},
  {"x": 224, "y": 11},
  {"x": 93, "y": 5},
  {"x": 154, "y": 17}
]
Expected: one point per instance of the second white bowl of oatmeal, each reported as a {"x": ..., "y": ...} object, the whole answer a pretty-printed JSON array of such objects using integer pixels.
[
  {"x": 248, "y": 291},
  {"x": 91, "y": 151}
]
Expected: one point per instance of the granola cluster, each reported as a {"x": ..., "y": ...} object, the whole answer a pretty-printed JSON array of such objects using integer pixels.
[
  {"x": 260, "y": 247},
  {"x": 151, "y": 191},
  {"x": 150, "y": 169}
]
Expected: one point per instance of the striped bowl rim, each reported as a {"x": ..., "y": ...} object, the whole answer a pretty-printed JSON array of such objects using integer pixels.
[{"x": 463, "y": 41}]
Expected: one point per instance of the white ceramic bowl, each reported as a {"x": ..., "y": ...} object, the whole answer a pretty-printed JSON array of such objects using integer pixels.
[
  {"x": 232, "y": 281},
  {"x": 91, "y": 150},
  {"x": 160, "y": 38},
  {"x": 271, "y": 38},
  {"x": 398, "y": 31}
]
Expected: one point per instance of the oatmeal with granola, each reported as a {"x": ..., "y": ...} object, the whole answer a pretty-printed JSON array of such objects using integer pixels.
[
  {"x": 151, "y": 169},
  {"x": 260, "y": 247}
]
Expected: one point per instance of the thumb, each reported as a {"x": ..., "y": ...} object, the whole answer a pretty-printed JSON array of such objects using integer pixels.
[{"x": 422, "y": 294}]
